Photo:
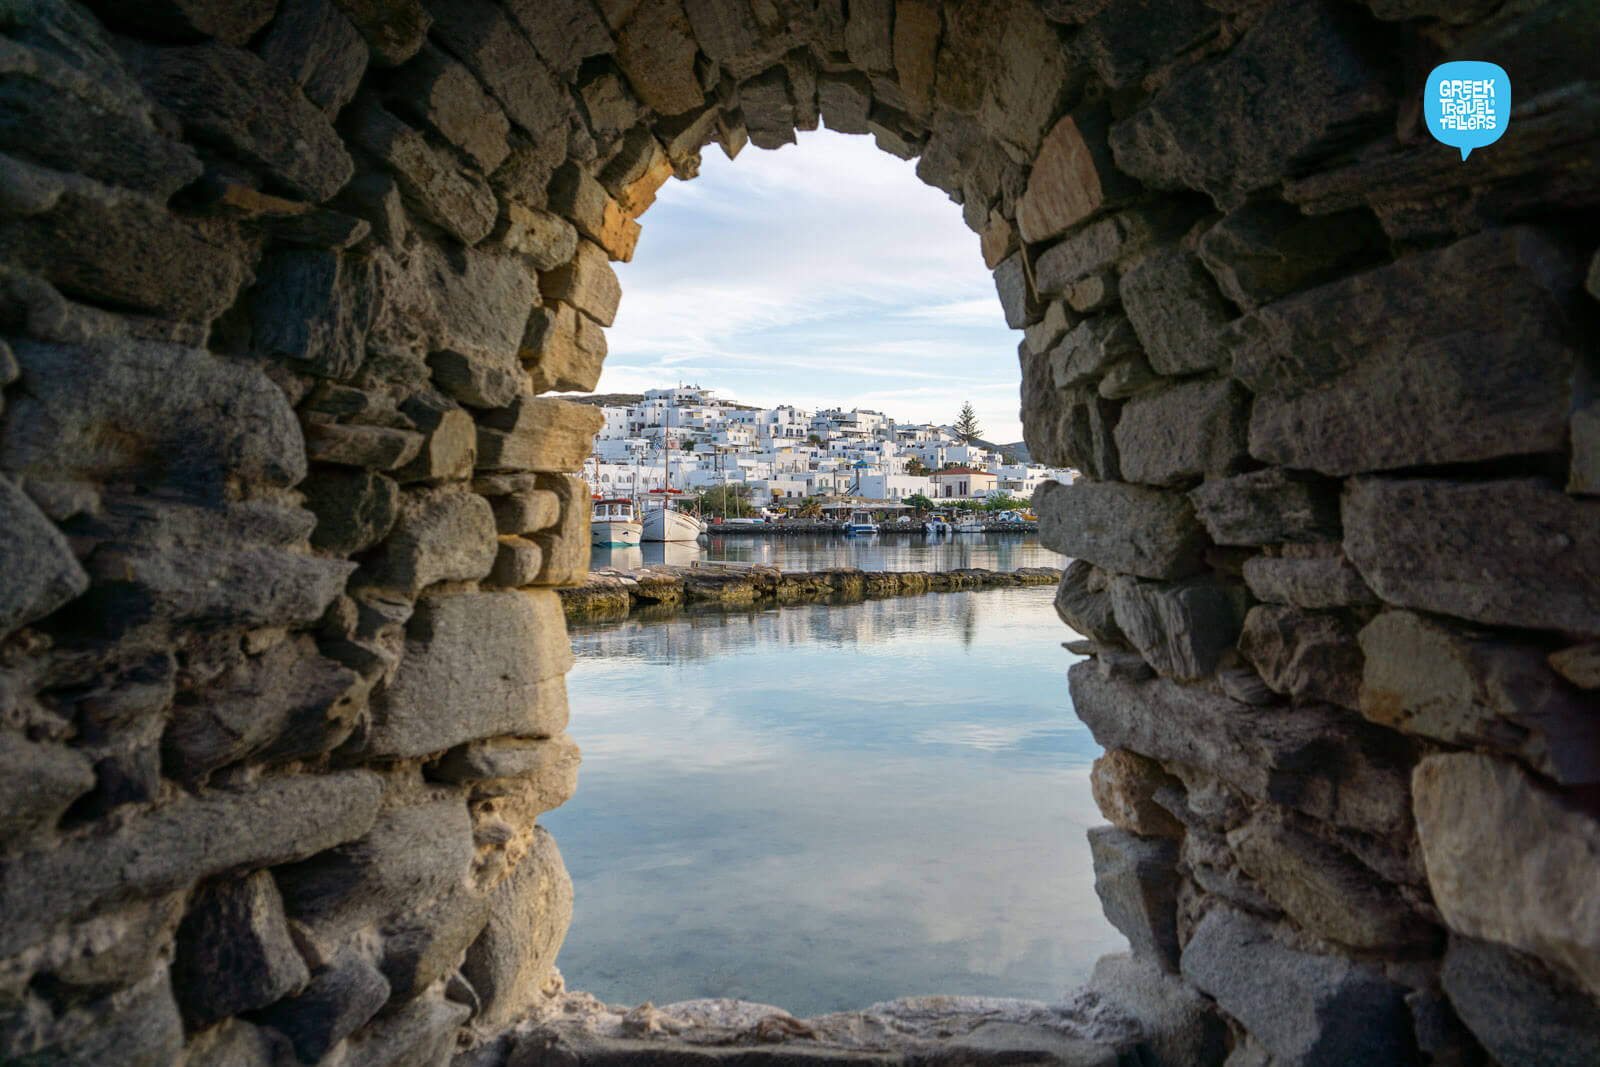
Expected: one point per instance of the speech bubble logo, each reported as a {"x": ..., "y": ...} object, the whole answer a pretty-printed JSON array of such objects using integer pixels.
[{"x": 1467, "y": 104}]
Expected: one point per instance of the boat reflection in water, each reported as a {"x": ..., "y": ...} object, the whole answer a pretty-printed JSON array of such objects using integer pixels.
[
  {"x": 824, "y": 806},
  {"x": 810, "y": 552}
]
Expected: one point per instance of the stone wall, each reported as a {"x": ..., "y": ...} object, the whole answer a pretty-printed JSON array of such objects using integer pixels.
[{"x": 282, "y": 507}]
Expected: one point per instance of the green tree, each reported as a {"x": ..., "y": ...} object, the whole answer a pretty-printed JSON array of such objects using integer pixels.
[
  {"x": 1003, "y": 502},
  {"x": 920, "y": 502},
  {"x": 966, "y": 425},
  {"x": 724, "y": 501},
  {"x": 916, "y": 466}
]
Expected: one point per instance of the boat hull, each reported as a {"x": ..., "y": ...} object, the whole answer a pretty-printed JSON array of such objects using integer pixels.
[
  {"x": 665, "y": 524},
  {"x": 860, "y": 530},
  {"x": 609, "y": 532}
]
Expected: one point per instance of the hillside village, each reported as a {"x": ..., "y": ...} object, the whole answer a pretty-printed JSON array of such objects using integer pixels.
[{"x": 786, "y": 454}]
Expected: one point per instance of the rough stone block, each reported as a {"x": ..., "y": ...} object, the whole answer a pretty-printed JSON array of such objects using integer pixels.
[
  {"x": 1212, "y": 129},
  {"x": 1319, "y": 761},
  {"x": 1521, "y": 1010},
  {"x": 1095, "y": 293},
  {"x": 38, "y": 782},
  {"x": 566, "y": 546},
  {"x": 451, "y": 449},
  {"x": 116, "y": 247},
  {"x": 138, "y": 1026},
  {"x": 1102, "y": 243},
  {"x": 1176, "y": 311},
  {"x": 234, "y": 952},
  {"x": 517, "y": 563},
  {"x": 1312, "y": 582},
  {"x": 1268, "y": 507},
  {"x": 434, "y": 183},
  {"x": 287, "y": 703},
  {"x": 1082, "y": 434},
  {"x": 422, "y": 1034},
  {"x": 228, "y": 96},
  {"x": 1073, "y": 177},
  {"x": 1579, "y": 664},
  {"x": 1127, "y": 528},
  {"x": 527, "y": 511},
  {"x": 187, "y": 840},
  {"x": 656, "y": 50},
  {"x": 1267, "y": 249},
  {"x": 1125, "y": 42},
  {"x": 1324, "y": 888},
  {"x": 428, "y": 943},
  {"x": 482, "y": 35},
  {"x": 575, "y": 194},
  {"x": 546, "y": 239},
  {"x": 1017, "y": 298},
  {"x": 563, "y": 349},
  {"x": 1136, "y": 879},
  {"x": 1045, "y": 334},
  {"x": 1124, "y": 786},
  {"x": 1477, "y": 814},
  {"x": 442, "y": 95},
  {"x": 1584, "y": 474},
  {"x": 339, "y": 1000},
  {"x": 440, "y": 535},
  {"x": 1306, "y": 1009},
  {"x": 382, "y": 448},
  {"x": 495, "y": 659},
  {"x": 587, "y": 283},
  {"x": 313, "y": 309},
  {"x": 1182, "y": 630},
  {"x": 868, "y": 36},
  {"x": 44, "y": 573},
  {"x": 1308, "y": 655},
  {"x": 193, "y": 20},
  {"x": 1447, "y": 356},
  {"x": 565, "y": 32},
  {"x": 1472, "y": 689},
  {"x": 1083, "y": 602},
  {"x": 411, "y": 856},
  {"x": 317, "y": 47},
  {"x": 846, "y": 100},
  {"x": 1091, "y": 348},
  {"x": 1179, "y": 1026},
  {"x": 528, "y": 918},
  {"x": 393, "y": 29},
  {"x": 538, "y": 434},
  {"x": 1175, "y": 435},
  {"x": 1513, "y": 552},
  {"x": 769, "y": 109},
  {"x": 916, "y": 49}
]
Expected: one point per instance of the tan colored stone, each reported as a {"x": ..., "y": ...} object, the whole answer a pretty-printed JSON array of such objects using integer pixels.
[
  {"x": 1124, "y": 785},
  {"x": 547, "y": 239},
  {"x": 656, "y": 50},
  {"x": 577, "y": 195},
  {"x": 538, "y": 434},
  {"x": 563, "y": 349},
  {"x": 640, "y": 193},
  {"x": 998, "y": 240},
  {"x": 588, "y": 283},
  {"x": 916, "y": 46},
  {"x": 1509, "y": 861},
  {"x": 566, "y": 545},
  {"x": 1579, "y": 665},
  {"x": 528, "y": 918},
  {"x": 1072, "y": 179}
]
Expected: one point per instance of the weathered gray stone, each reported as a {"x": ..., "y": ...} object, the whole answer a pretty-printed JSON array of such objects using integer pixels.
[
  {"x": 1042, "y": 336},
  {"x": 517, "y": 563},
  {"x": 340, "y": 998},
  {"x": 1313, "y": 582},
  {"x": 442, "y": 95},
  {"x": 434, "y": 183},
  {"x": 1021, "y": 306},
  {"x": 1124, "y": 786},
  {"x": 422, "y": 1034},
  {"x": 482, "y": 35},
  {"x": 451, "y": 449},
  {"x": 440, "y": 535},
  {"x": 577, "y": 195},
  {"x": 1307, "y": 1009},
  {"x": 43, "y": 572},
  {"x": 1316, "y": 760},
  {"x": 538, "y": 434},
  {"x": 1471, "y": 689},
  {"x": 1125, "y": 42},
  {"x": 656, "y": 50},
  {"x": 382, "y": 448},
  {"x": 1324, "y": 888},
  {"x": 566, "y": 546},
  {"x": 1136, "y": 879},
  {"x": 1514, "y": 552},
  {"x": 587, "y": 282},
  {"x": 234, "y": 952},
  {"x": 1308, "y": 655},
  {"x": 769, "y": 109},
  {"x": 313, "y": 309},
  {"x": 1083, "y": 602},
  {"x": 1174, "y": 435},
  {"x": 1212, "y": 129},
  {"x": 1445, "y": 356},
  {"x": 1182, "y": 629},
  {"x": 1267, "y": 249},
  {"x": 393, "y": 29},
  {"x": 1478, "y": 814},
  {"x": 228, "y": 96},
  {"x": 483, "y": 305},
  {"x": 1180, "y": 1028},
  {"x": 1101, "y": 243},
  {"x": 1176, "y": 311},
  {"x": 1584, "y": 474},
  {"x": 1090, "y": 349},
  {"x": 235, "y": 22},
  {"x": 1094, "y": 293},
  {"x": 846, "y": 100},
  {"x": 423, "y": 946},
  {"x": 1126, "y": 528},
  {"x": 174, "y": 846},
  {"x": 496, "y": 659},
  {"x": 1268, "y": 507},
  {"x": 546, "y": 239},
  {"x": 138, "y": 1026},
  {"x": 1082, "y": 434},
  {"x": 38, "y": 782},
  {"x": 116, "y": 247},
  {"x": 526, "y": 512},
  {"x": 412, "y": 855},
  {"x": 1073, "y": 177},
  {"x": 528, "y": 918},
  {"x": 318, "y": 48},
  {"x": 1524, "y": 1012},
  {"x": 565, "y": 32}
]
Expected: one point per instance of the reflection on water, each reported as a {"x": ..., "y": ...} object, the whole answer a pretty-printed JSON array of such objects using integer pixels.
[
  {"x": 828, "y": 805},
  {"x": 810, "y": 552}
]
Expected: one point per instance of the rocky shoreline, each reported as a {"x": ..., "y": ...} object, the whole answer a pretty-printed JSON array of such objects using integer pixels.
[{"x": 616, "y": 593}]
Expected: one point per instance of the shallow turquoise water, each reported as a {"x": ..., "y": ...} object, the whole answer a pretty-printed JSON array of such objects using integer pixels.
[
  {"x": 829, "y": 805},
  {"x": 809, "y": 552}
]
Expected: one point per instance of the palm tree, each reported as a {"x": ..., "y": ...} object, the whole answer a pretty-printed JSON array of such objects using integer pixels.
[{"x": 966, "y": 425}]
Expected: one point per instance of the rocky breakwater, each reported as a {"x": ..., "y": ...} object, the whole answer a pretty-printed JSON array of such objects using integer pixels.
[{"x": 613, "y": 594}]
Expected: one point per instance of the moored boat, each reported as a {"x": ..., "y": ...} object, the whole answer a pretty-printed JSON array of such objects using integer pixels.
[
  {"x": 612, "y": 522},
  {"x": 936, "y": 526},
  {"x": 667, "y": 523},
  {"x": 860, "y": 524}
]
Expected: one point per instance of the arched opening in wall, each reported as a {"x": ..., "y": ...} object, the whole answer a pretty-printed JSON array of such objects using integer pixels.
[{"x": 823, "y": 805}]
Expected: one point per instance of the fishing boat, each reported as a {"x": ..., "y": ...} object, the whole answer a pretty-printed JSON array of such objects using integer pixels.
[
  {"x": 937, "y": 526},
  {"x": 970, "y": 524},
  {"x": 612, "y": 523},
  {"x": 860, "y": 524},
  {"x": 662, "y": 521}
]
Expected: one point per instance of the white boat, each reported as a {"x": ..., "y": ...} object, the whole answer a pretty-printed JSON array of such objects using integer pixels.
[
  {"x": 860, "y": 524},
  {"x": 612, "y": 523},
  {"x": 937, "y": 525},
  {"x": 666, "y": 523},
  {"x": 973, "y": 524}
]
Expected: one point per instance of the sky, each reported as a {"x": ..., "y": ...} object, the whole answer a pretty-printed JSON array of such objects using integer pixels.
[{"x": 821, "y": 274}]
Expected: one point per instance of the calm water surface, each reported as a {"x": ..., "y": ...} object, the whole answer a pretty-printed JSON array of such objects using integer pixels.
[
  {"x": 825, "y": 806},
  {"x": 888, "y": 552}
]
